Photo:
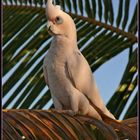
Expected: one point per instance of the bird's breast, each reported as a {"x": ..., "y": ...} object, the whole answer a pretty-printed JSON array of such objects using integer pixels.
[{"x": 55, "y": 69}]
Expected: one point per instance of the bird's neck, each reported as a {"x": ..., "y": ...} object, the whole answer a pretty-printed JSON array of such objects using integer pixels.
[
  {"x": 72, "y": 33},
  {"x": 65, "y": 41},
  {"x": 69, "y": 36}
]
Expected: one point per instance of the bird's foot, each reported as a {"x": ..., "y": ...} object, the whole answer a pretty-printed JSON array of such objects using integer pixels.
[{"x": 69, "y": 112}]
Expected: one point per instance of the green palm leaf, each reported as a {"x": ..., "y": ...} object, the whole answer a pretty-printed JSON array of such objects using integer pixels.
[{"x": 101, "y": 36}]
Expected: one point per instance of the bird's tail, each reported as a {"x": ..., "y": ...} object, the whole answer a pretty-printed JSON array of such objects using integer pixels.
[{"x": 127, "y": 127}]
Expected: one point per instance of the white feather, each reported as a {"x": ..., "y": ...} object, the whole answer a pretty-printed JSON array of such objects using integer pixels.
[{"x": 66, "y": 70}]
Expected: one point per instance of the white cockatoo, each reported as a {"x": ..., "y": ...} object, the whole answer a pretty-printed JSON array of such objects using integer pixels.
[{"x": 66, "y": 71}]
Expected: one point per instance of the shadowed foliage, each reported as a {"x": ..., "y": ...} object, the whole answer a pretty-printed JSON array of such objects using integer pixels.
[{"x": 39, "y": 124}]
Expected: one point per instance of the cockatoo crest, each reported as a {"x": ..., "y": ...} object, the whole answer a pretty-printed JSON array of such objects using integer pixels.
[
  {"x": 59, "y": 22},
  {"x": 52, "y": 10}
]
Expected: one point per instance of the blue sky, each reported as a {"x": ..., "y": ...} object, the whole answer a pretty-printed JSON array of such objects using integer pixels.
[{"x": 109, "y": 74}]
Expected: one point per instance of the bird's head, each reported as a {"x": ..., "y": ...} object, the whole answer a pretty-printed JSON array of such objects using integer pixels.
[{"x": 59, "y": 22}]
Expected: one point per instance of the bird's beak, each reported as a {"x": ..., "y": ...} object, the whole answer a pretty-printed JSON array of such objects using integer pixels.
[
  {"x": 50, "y": 28},
  {"x": 49, "y": 24}
]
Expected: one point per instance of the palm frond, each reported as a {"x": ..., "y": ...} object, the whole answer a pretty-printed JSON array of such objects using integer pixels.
[
  {"x": 101, "y": 36},
  {"x": 126, "y": 87},
  {"x": 39, "y": 124}
]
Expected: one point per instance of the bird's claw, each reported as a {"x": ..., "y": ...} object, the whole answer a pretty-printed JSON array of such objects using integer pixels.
[{"x": 69, "y": 112}]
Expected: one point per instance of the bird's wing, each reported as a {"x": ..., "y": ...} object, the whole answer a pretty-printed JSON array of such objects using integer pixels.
[
  {"x": 80, "y": 74},
  {"x": 79, "y": 71}
]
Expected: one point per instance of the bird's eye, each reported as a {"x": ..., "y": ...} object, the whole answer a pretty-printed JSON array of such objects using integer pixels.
[{"x": 58, "y": 20}]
